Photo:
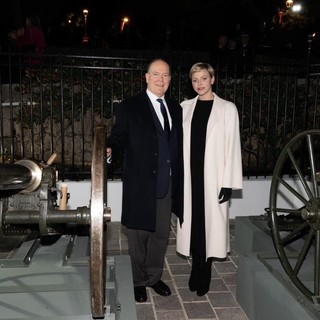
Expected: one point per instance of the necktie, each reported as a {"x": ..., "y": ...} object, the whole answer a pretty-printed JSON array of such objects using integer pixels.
[{"x": 165, "y": 117}]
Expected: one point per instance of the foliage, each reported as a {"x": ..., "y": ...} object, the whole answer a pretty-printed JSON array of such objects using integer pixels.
[
  {"x": 271, "y": 101},
  {"x": 274, "y": 101}
]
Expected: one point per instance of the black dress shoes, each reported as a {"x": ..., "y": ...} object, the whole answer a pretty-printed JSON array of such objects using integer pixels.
[
  {"x": 161, "y": 288},
  {"x": 140, "y": 294}
]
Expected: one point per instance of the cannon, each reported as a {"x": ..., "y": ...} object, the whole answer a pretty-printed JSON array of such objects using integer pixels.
[
  {"x": 29, "y": 208},
  {"x": 279, "y": 251},
  {"x": 296, "y": 226}
]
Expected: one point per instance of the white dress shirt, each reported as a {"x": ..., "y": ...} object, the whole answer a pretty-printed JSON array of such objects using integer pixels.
[{"x": 156, "y": 106}]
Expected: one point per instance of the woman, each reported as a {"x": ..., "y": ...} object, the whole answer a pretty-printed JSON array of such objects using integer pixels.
[{"x": 212, "y": 168}]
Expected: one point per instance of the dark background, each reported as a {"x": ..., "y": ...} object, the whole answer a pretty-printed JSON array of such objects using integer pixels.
[{"x": 178, "y": 24}]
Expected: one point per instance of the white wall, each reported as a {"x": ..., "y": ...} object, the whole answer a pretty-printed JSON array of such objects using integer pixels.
[
  {"x": 80, "y": 194},
  {"x": 251, "y": 200}
]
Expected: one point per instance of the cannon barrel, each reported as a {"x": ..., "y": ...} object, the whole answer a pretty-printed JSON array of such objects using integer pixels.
[
  {"x": 14, "y": 176},
  {"x": 24, "y": 175},
  {"x": 79, "y": 216}
]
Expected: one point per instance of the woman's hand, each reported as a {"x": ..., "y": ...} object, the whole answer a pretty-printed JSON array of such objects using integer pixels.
[{"x": 225, "y": 194}]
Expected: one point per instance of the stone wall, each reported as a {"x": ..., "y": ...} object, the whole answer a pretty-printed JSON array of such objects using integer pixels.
[{"x": 40, "y": 141}]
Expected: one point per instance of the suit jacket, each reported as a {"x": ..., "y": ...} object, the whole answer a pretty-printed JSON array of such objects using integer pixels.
[{"x": 136, "y": 133}]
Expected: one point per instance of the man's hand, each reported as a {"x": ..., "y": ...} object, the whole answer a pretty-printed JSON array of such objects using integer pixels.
[
  {"x": 225, "y": 194},
  {"x": 109, "y": 155}
]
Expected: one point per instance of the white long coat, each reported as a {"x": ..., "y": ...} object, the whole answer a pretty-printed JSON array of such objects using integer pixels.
[{"x": 222, "y": 168}]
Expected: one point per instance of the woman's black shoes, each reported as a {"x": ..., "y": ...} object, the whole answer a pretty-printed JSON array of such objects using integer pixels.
[
  {"x": 204, "y": 278},
  {"x": 194, "y": 275},
  {"x": 200, "y": 276},
  {"x": 193, "y": 281}
]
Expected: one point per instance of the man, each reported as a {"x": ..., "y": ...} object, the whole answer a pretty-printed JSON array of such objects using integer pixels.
[{"x": 151, "y": 176}]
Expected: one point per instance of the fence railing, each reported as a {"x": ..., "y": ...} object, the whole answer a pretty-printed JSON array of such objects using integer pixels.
[{"x": 53, "y": 106}]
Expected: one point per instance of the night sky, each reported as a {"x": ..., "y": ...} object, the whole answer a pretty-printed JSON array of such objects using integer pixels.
[{"x": 203, "y": 20}]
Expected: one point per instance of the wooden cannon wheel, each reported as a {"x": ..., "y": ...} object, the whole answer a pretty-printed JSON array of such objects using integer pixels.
[
  {"x": 301, "y": 217},
  {"x": 97, "y": 208}
]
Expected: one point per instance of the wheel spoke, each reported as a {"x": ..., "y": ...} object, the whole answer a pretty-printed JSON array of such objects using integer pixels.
[
  {"x": 288, "y": 238},
  {"x": 288, "y": 210},
  {"x": 303, "y": 252},
  {"x": 293, "y": 191},
  {"x": 317, "y": 264},
  {"x": 312, "y": 166},
  {"x": 300, "y": 175}
]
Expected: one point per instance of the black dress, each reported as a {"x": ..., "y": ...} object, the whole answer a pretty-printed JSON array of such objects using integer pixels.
[{"x": 198, "y": 142}]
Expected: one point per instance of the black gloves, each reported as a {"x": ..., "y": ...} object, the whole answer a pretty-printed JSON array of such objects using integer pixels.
[{"x": 225, "y": 194}]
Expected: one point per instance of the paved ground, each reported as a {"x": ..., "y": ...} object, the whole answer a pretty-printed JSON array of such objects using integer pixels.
[{"x": 219, "y": 303}]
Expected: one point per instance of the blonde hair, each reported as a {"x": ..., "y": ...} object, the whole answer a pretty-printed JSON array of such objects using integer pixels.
[{"x": 201, "y": 66}]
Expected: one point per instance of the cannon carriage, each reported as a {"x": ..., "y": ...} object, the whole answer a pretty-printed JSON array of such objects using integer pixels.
[
  {"x": 279, "y": 251},
  {"x": 63, "y": 256},
  {"x": 295, "y": 227}
]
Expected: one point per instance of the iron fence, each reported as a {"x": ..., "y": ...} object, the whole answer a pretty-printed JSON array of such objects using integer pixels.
[{"x": 53, "y": 106}]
